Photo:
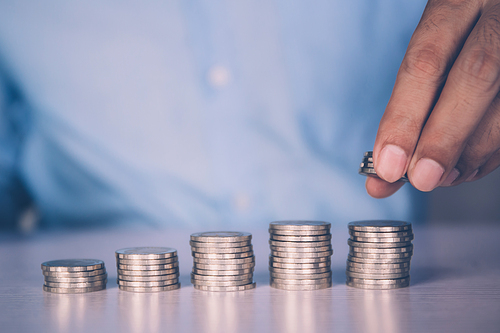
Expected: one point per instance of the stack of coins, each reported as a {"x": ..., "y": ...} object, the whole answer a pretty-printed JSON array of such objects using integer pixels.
[
  {"x": 74, "y": 276},
  {"x": 366, "y": 167},
  {"x": 379, "y": 254},
  {"x": 147, "y": 269},
  {"x": 300, "y": 255},
  {"x": 222, "y": 261}
]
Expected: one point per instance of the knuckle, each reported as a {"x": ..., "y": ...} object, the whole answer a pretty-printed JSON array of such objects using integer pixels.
[
  {"x": 480, "y": 68},
  {"x": 425, "y": 62}
]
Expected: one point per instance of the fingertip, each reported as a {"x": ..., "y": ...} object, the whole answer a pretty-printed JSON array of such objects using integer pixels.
[{"x": 379, "y": 189}]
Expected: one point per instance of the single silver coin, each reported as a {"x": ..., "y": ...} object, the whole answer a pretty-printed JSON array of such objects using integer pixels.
[
  {"x": 300, "y": 271},
  {"x": 379, "y": 226},
  {"x": 224, "y": 261},
  {"x": 76, "y": 279},
  {"x": 378, "y": 286},
  {"x": 76, "y": 285},
  {"x": 378, "y": 271},
  {"x": 72, "y": 265},
  {"x": 148, "y": 273},
  {"x": 150, "y": 289},
  {"x": 357, "y": 265},
  {"x": 383, "y": 250},
  {"x": 222, "y": 255},
  {"x": 376, "y": 276},
  {"x": 300, "y": 266},
  {"x": 146, "y": 262},
  {"x": 222, "y": 272},
  {"x": 222, "y": 250},
  {"x": 378, "y": 260},
  {"x": 285, "y": 232},
  {"x": 148, "y": 267},
  {"x": 381, "y": 255},
  {"x": 378, "y": 281},
  {"x": 221, "y": 236},
  {"x": 383, "y": 245},
  {"x": 221, "y": 278},
  {"x": 407, "y": 233},
  {"x": 148, "y": 278},
  {"x": 301, "y": 249},
  {"x": 143, "y": 253},
  {"x": 224, "y": 267},
  {"x": 382, "y": 239},
  {"x": 221, "y": 283},
  {"x": 300, "y": 287},
  {"x": 74, "y": 274},
  {"x": 221, "y": 244},
  {"x": 300, "y": 238},
  {"x": 301, "y": 276},
  {"x": 299, "y": 260},
  {"x": 73, "y": 290},
  {"x": 301, "y": 255},
  {"x": 300, "y": 225},
  {"x": 302, "y": 281},
  {"x": 299, "y": 244},
  {"x": 230, "y": 288},
  {"x": 148, "y": 284}
]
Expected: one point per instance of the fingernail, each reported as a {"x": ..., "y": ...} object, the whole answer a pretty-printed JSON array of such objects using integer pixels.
[
  {"x": 472, "y": 176},
  {"x": 391, "y": 163},
  {"x": 426, "y": 174},
  {"x": 451, "y": 177}
]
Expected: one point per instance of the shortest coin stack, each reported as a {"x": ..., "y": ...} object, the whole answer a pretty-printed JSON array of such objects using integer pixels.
[
  {"x": 300, "y": 255},
  {"x": 74, "y": 276},
  {"x": 147, "y": 269},
  {"x": 366, "y": 167},
  {"x": 222, "y": 261},
  {"x": 379, "y": 254}
]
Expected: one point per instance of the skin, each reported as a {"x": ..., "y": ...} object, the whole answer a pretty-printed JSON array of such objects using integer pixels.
[{"x": 442, "y": 123}]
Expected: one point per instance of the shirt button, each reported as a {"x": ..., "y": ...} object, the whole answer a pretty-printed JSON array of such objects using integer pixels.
[{"x": 219, "y": 76}]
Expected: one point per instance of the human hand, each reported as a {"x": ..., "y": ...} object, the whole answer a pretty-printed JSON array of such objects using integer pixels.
[{"x": 442, "y": 123}]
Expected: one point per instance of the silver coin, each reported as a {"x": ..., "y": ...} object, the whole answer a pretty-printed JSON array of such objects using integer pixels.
[
  {"x": 300, "y": 238},
  {"x": 299, "y": 232},
  {"x": 224, "y": 267},
  {"x": 222, "y": 255},
  {"x": 300, "y": 260},
  {"x": 143, "y": 253},
  {"x": 300, "y": 266},
  {"x": 221, "y": 236},
  {"x": 224, "y": 261},
  {"x": 301, "y": 249},
  {"x": 146, "y": 262},
  {"x": 299, "y": 225},
  {"x": 150, "y": 289},
  {"x": 382, "y": 239},
  {"x": 381, "y": 255},
  {"x": 300, "y": 271},
  {"x": 221, "y": 283},
  {"x": 222, "y": 272},
  {"x": 74, "y": 274},
  {"x": 379, "y": 226},
  {"x": 72, "y": 265},
  {"x": 148, "y": 267},
  {"x": 148, "y": 278},
  {"x": 298, "y": 287},
  {"x": 378, "y": 245},
  {"x": 147, "y": 273},
  {"x": 73, "y": 290},
  {"x": 301, "y": 276},
  {"x": 378, "y": 281},
  {"x": 147, "y": 284},
  {"x": 221, "y": 278},
  {"x": 221, "y": 249},
  {"x": 76, "y": 285},
  {"x": 370, "y": 172},
  {"x": 378, "y": 286},
  {"x": 378, "y": 271},
  {"x": 407, "y": 233},
  {"x": 230, "y": 288},
  {"x": 376, "y": 276},
  {"x": 299, "y": 244},
  {"x": 77, "y": 279},
  {"x": 222, "y": 244},
  {"x": 301, "y": 281},
  {"x": 301, "y": 255},
  {"x": 378, "y": 260},
  {"x": 384, "y": 250},
  {"x": 357, "y": 265}
]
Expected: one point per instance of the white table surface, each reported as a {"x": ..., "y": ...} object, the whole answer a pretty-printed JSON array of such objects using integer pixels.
[{"x": 455, "y": 288}]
